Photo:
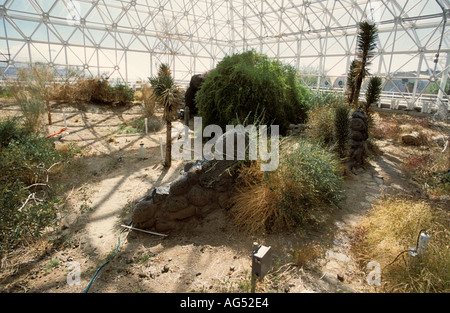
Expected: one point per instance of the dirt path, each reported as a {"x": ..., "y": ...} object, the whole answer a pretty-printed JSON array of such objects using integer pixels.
[{"x": 382, "y": 176}]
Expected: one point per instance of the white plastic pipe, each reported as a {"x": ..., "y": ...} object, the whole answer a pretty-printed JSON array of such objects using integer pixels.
[
  {"x": 146, "y": 126},
  {"x": 64, "y": 115}
]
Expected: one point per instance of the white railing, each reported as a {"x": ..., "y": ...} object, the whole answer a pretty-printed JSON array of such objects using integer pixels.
[{"x": 395, "y": 100}]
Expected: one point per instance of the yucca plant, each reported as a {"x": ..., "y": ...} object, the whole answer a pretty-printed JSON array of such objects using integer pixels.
[
  {"x": 366, "y": 46},
  {"x": 168, "y": 95}
]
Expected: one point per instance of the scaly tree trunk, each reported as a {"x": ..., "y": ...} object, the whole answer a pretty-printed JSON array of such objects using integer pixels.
[
  {"x": 168, "y": 161},
  {"x": 358, "y": 82}
]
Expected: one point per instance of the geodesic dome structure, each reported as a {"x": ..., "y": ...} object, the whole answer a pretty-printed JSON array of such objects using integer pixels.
[{"x": 127, "y": 40}]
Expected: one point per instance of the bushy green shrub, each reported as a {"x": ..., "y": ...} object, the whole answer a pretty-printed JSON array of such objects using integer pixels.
[
  {"x": 310, "y": 175},
  {"x": 4, "y": 92},
  {"x": 248, "y": 84},
  {"x": 123, "y": 95},
  {"x": 10, "y": 130},
  {"x": 28, "y": 201}
]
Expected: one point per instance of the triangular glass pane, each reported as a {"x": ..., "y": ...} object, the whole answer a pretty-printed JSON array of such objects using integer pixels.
[
  {"x": 11, "y": 31},
  {"x": 26, "y": 27}
]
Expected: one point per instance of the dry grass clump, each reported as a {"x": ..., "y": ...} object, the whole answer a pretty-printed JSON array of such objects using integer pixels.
[
  {"x": 255, "y": 207},
  {"x": 148, "y": 100},
  {"x": 302, "y": 256},
  {"x": 307, "y": 180},
  {"x": 430, "y": 169},
  {"x": 393, "y": 226},
  {"x": 320, "y": 124},
  {"x": 384, "y": 128}
]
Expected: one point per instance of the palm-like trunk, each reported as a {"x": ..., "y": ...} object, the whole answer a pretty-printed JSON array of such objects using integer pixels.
[
  {"x": 168, "y": 95},
  {"x": 358, "y": 82},
  {"x": 168, "y": 160}
]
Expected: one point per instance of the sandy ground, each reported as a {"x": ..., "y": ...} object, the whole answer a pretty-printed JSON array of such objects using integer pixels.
[{"x": 210, "y": 257}]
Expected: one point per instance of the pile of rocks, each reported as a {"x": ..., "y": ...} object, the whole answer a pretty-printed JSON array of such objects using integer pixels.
[{"x": 204, "y": 187}]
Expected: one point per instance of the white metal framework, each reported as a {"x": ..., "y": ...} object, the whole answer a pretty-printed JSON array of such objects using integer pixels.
[{"x": 127, "y": 40}]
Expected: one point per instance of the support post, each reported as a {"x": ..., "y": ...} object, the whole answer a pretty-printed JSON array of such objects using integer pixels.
[{"x": 440, "y": 103}]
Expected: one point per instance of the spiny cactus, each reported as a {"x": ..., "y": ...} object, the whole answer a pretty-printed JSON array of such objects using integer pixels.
[
  {"x": 373, "y": 92},
  {"x": 341, "y": 128}
]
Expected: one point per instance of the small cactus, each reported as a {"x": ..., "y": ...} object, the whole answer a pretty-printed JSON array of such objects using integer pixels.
[{"x": 341, "y": 128}]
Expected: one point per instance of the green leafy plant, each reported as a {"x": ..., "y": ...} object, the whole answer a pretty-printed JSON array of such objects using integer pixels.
[
  {"x": 123, "y": 95},
  {"x": 28, "y": 199},
  {"x": 52, "y": 264},
  {"x": 310, "y": 175},
  {"x": 251, "y": 83},
  {"x": 4, "y": 92},
  {"x": 10, "y": 130},
  {"x": 318, "y": 98}
]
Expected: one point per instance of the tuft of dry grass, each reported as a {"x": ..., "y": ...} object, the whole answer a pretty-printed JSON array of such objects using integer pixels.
[
  {"x": 392, "y": 227},
  {"x": 307, "y": 180},
  {"x": 255, "y": 208},
  {"x": 384, "y": 128},
  {"x": 255, "y": 203},
  {"x": 429, "y": 169},
  {"x": 320, "y": 124}
]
